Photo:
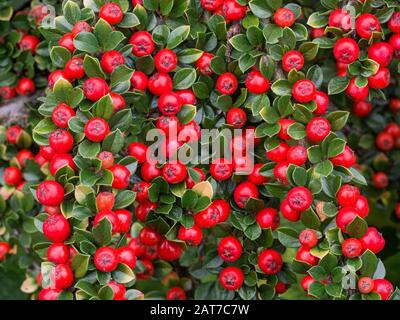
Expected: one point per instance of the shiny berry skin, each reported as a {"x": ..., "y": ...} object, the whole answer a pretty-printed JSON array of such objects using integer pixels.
[
  {"x": 67, "y": 41},
  {"x": 150, "y": 171},
  {"x": 96, "y": 129},
  {"x": 4, "y": 249},
  {"x": 208, "y": 217},
  {"x": 348, "y": 195},
  {"x": 280, "y": 287},
  {"x": 142, "y": 42},
  {"x": 12, "y": 176},
  {"x": 74, "y": 68},
  {"x": 190, "y": 183},
  {"x": 351, "y": 248},
  {"x": 111, "y": 12},
  {"x": 243, "y": 192},
  {"x": 105, "y": 201},
  {"x": 227, "y": 83},
  {"x": 139, "y": 81},
  {"x": 236, "y": 117},
  {"x": 322, "y": 102},
  {"x": 165, "y": 60},
  {"x": 221, "y": 169},
  {"x": 304, "y": 91},
  {"x": 211, "y": 5},
  {"x": 105, "y": 259},
  {"x": 299, "y": 198},
  {"x": 204, "y": 63},
  {"x": 160, "y": 83},
  {"x": 110, "y": 60},
  {"x": 317, "y": 32},
  {"x": 366, "y": 24},
  {"x": 56, "y": 228},
  {"x": 231, "y": 278},
  {"x": 190, "y": 132},
  {"x": 284, "y": 17},
  {"x": 361, "y": 206},
  {"x": 28, "y": 42},
  {"x": 49, "y": 294},
  {"x": 61, "y": 115},
  {"x": 340, "y": 18},
  {"x": 192, "y": 236},
  {"x": 270, "y": 261},
  {"x": 106, "y": 158},
  {"x": 7, "y": 92},
  {"x": 149, "y": 237},
  {"x": 55, "y": 76},
  {"x": 25, "y": 87},
  {"x": 268, "y": 218},
  {"x": 138, "y": 151},
  {"x": 176, "y": 293},
  {"x": 346, "y": 50},
  {"x": 344, "y": 217},
  {"x": 23, "y": 155},
  {"x": 127, "y": 256},
  {"x": 168, "y": 124},
  {"x": 304, "y": 254},
  {"x": 308, "y": 238},
  {"x": 317, "y": 129},
  {"x": 169, "y": 250},
  {"x": 61, "y": 160},
  {"x": 95, "y": 88},
  {"x": 110, "y": 216},
  {"x": 230, "y": 249},
  {"x": 256, "y": 83},
  {"x": 380, "y": 80},
  {"x": 372, "y": 240},
  {"x": 61, "y": 141},
  {"x": 384, "y": 288},
  {"x": 279, "y": 153},
  {"x": 394, "y": 42},
  {"x": 306, "y": 282},
  {"x": 121, "y": 176},
  {"x": 280, "y": 171},
  {"x": 47, "y": 152},
  {"x": 380, "y": 180},
  {"x": 288, "y": 213},
  {"x": 81, "y": 26},
  {"x": 381, "y": 52},
  {"x": 124, "y": 219},
  {"x": 365, "y": 285},
  {"x": 50, "y": 193},
  {"x": 118, "y": 101},
  {"x": 169, "y": 104},
  {"x": 292, "y": 60},
  {"x": 143, "y": 209},
  {"x": 61, "y": 276},
  {"x": 58, "y": 253},
  {"x": 223, "y": 208},
  {"x": 255, "y": 175},
  {"x": 346, "y": 159},
  {"x": 233, "y": 11},
  {"x": 142, "y": 191},
  {"x": 355, "y": 92},
  {"x": 297, "y": 155},
  {"x": 118, "y": 289},
  {"x": 283, "y": 132},
  {"x": 394, "y": 22},
  {"x": 174, "y": 173},
  {"x": 362, "y": 108},
  {"x": 149, "y": 270},
  {"x": 186, "y": 96}
]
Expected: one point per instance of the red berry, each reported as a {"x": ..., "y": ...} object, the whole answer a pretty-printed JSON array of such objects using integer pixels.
[
  {"x": 317, "y": 32},
  {"x": 105, "y": 201},
  {"x": 384, "y": 288},
  {"x": 221, "y": 169},
  {"x": 50, "y": 193},
  {"x": 255, "y": 175},
  {"x": 340, "y": 18},
  {"x": 124, "y": 219},
  {"x": 111, "y": 12},
  {"x": 351, "y": 248},
  {"x": 236, "y": 117},
  {"x": 142, "y": 43},
  {"x": 81, "y": 26},
  {"x": 362, "y": 207},
  {"x": 110, "y": 60},
  {"x": 4, "y": 249},
  {"x": 373, "y": 240},
  {"x": 346, "y": 159},
  {"x": 118, "y": 289},
  {"x": 22, "y": 156},
  {"x": 110, "y": 216},
  {"x": 160, "y": 83},
  {"x": 233, "y": 11},
  {"x": 61, "y": 276},
  {"x": 58, "y": 253},
  {"x": 59, "y": 161},
  {"x": 270, "y": 261},
  {"x": 176, "y": 293},
  {"x": 204, "y": 62},
  {"x": 95, "y": 88},
  {"x": 105, "y": 259},
  {"x": 149, "y": 270},
  {"x": 174, "y": 172},
  {"x": 348, "y": 195},
  {"x": 362, "y": 108},
  {"x": 306, "y": 282},
  {"x": 28, "y": 42},
  {"x": 118, "y": 101},
  {"x": 292, "y": 60},
  {"x": 149, "y": 237},
  {"x": 346, "y": 50},
  {"x": 208, "y": 217},
  {"x": 138, "y": 151},
  {"x": 61, "y": 115},
  {"x": 394, "y": 22},
  {"x": 7, "y": 93},
  {"x": 366, "y": 24},
  {"x": 190, "y": 183},
  {"x": 47, "y": 152},
  {"x": 12, "y": 176},
  {"x": 230, "y": 249},
  {"x": 231, "y": 278},
  {"x": 380, "y": 180},
  {"x": 304, "y": 91},
  {"x": 169, "y": 250},
  {"x": 49, "y": 294},
  {"x": 304, "y": 255},
  {"x": 280, "y": 171},
  {"x": 299, "y": 198},
  {"x": 380, "y": 80},
  {"x": 317, "y": 129},
  {"x": 279, "y": 153},
  {"x": 143, "y": 209},
  {"x": 186, "y": 96},
  {"x": 25, "y": 87},
  {"x": 67, "y": 41},
  {"x": 308, "y": 238},
  {"x": 142, "y": 191},
  {"x": 394, "y": 42},
  {"x": 344, "y": 217},
  {"x": 365, "y": 285},
  {"x": 355, "y": 92},
  {"x": 223, "y": 208},
  {"x": 106, "y": 158},
  {"x": 61, "y": 141},
  {"x": 96, "y": 129},
  {"x": 268, "y": 218},
  {"x": 126, "y": 256},
  {"x": 381, "y": 52},
  {"x": 139, "y": 81},
  {"x": 56, "y": 228},
  {"x": 211, "y": 5},
  {"x": 192, "y": 236},
  {"x": 297, "y": 155},
  {"x": 55, "y": 76},
  {"x": 227, "y": 83},
  {"x": 74, "y": 68},
  {"x": 283, "y": 132},
  {"x": 243, "y": 192},
  {"x": 150, "y": 171},
  {"x": 169, "y": 104},
  {"x": 121, "y": 176},
  {"x": 165, "y": 60},
  {"x": 256, "y": 83},
  {"x": 284, "y": 17},
  {"x": 322, "y": 102}
]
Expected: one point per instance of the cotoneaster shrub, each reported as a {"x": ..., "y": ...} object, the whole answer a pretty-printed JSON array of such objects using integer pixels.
[{"x": 117, "y": 225}]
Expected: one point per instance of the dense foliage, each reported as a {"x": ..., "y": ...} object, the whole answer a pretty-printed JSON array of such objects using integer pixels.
[{"x": 86, "y": 213}]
